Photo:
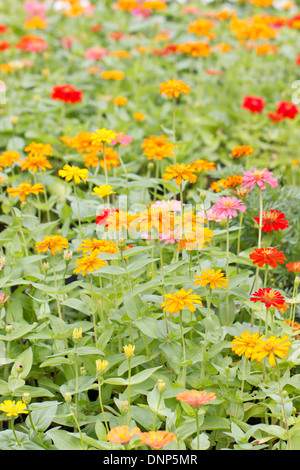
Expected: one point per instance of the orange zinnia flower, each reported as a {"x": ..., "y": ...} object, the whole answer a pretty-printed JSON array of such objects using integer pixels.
[
  {"x": 25, "y": 189},
  {"x": 196, "y": 398},
  {"x": 102, "y": 246},
  {"x": 8, "y": 158},
  {"x": 112, "y": 75},
  {"x": 272, "y": 347},
  {"x": 174, "y": 88},
  {"x": 158, "y": 147},
  {"x": 181, "y": 300},
  {"x": 180, "y": 172},
  {"x": 122, "y": 434},
  {"x": 157, "y": 439},
  {"x": 201, "y": 28},
  {"x": 241, "y": 150},
  {"x": 53, "y": 242},
  {"x": 89, "y": 263}
]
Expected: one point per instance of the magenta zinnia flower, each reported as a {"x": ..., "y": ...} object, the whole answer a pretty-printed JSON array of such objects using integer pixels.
[
  {"x": 121, "y": 138},
  {"x": 228, "y": 207},
  {"x": 259, "y": 177}
]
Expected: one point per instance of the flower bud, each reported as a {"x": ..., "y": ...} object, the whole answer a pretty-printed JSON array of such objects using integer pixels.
[
  {"x": 26, "y": 398},
  {"x": 121, "y": 243},
  {"x": 77, "y": 335},
  {"x": 46, "y": 266},
  {"x": 202, "y": 195},
  {"x": 101, "y": 366},
  {"x": 9, "y": 328},
  {"x": 161, "y": 386},
  {"x": 68, "y": 397},
  {"x": 129, "y": 351},
  {"x": 68, "y": 255},
  {"x": 125, "y": 407},
  {"x": 82, "y": 370}
]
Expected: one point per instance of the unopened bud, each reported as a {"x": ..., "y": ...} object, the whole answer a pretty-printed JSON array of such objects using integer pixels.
[
  {"x": 121, "y": 243},
  {"x": 82, "y": 370},
  {"x": 9, "y": 328},
  {"x": 161, "y": 386},
  {"x": 202, "y": 195},
  {"x": 46, "y": 266},
  {"x": 26, "y": 398},
  {"x": 68, "y": 255},
  {"x": 68, "y": 397},
  {"x": 125, "y": 406}
]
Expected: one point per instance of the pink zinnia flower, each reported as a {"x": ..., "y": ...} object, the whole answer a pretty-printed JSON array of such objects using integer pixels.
[
  {"x": 211, "y": 215},
  {"x": 96, "y": 53},
  {"x": 121, "y": 138},
  {"x": 172, "y": 205},
  {"x": 35, "y": 8},
  {"x": 171, "y": 237},
  {"x": 259, "y": 177},
  {"x": 228, "y": 207}
]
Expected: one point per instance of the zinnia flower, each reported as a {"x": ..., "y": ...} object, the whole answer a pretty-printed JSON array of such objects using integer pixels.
[
  {"x": 180, "y": 172},
  {"x": 25, "y": 189},
  {"x": 66, "y": 93},
  {"x": 253, "y": 104},
  {"x": 268, "y": 297},
  {"x": 273, "y": 220},
  {"x": 287, "y": 110},
  {"x": 174, "y": 88},
  {"x": 103, "y": 191},
  {"x": 13, "y": 409},
  {"x": 259, "y": 177},
  {"x": 180, "y": 300},
  {"x": 246, "y": 343},
  {"x": 73, "y": 173},
  {"x": 241, "y": 150},
  {"x": 52, "y": 242},
  {"x": 89, "y": 263},
  {"x": 196, "y": 398},
  {"x": 294, "y": 267},
  {"x": 271, "y": 256},
  {"x": 157, "y": 439},
  {"x": 102, "y": 136},
  {"x": 272, "y": 347},
  {"x": 158, "y": 147},
  {"x": 228, "y": 207},
  {"x": 122, "y": 434},
  {"x": 211, "y": 277}
]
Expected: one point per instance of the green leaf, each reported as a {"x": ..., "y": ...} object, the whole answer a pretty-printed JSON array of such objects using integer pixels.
[{"x": 64, "y": 440}]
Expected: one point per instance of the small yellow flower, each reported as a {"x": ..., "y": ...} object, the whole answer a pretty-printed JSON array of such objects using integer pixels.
[
  {"x": 103, "y": 191},
  {"x": 129, "y": 351},
  {"x": 101, "y": 366},
  {"x": 211, "y": 277},
  {"x": 73, "y": 173},
  {"x": 13, "y": 409},
  {"x": 77, "y": 335}
]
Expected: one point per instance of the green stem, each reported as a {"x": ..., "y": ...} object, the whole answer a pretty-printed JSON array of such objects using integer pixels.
[
  {"x": 183, "y": 347},
  {"x": 101, "y": 404},
  {"x": 58, "y": 303}
]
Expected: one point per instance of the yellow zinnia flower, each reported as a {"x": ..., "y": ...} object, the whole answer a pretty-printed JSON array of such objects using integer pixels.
[
  {"x": 272, "y": 347},
  {"x": 180, "y": 300},
  {"x": 246, "y": 343},
  {"x": 13, "y": 409},
  {"x": 213, "y": 278},
  {"x": 73, "y": 172},
  {"x": 25, "y": 189},
  {"x": 103, "y": 191}
]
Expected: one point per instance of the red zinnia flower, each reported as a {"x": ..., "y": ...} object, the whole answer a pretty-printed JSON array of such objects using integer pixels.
[
  {"x": 268, "y": 297},
  {"x": 253, "y": 104},
  {"x": 294, "y": 267},
  {"x": 287, "y": 109},
  {"x": 4, "y": 45},
  {"x": 275, "y": 117},
  {"x": 66, "y": 93},
  {"x": 273, "y": 220},
  {"x": 102, "y": 217},
  {"x": 271, "y": 256}
]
